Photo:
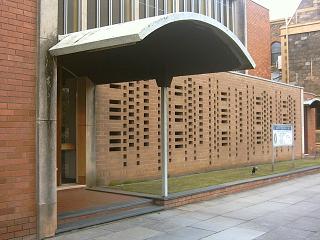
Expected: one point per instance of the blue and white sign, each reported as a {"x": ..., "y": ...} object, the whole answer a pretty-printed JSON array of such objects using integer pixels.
[{"x": 282, "y": 135}]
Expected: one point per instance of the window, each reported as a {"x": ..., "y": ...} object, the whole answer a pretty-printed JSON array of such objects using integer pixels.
[
  {"x": 69, "y": 13},
  {"x": 142, "y": 8},
  {"x": 196, "y": 7},
  {"x": 275, "y": 53},
  {"x": 152, "y": 8},
  {"x": 170, "y": 6},
  {"x": 106, "y": 12},
  {"x": 189, "y": 5},
  {"x": 318, "y": 118},
  {"x": 116, "y": 11},
  {"x": 161, "y": 8}
]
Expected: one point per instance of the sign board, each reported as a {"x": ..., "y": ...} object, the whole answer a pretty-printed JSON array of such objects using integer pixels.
[{"x": 282, "y": 135}]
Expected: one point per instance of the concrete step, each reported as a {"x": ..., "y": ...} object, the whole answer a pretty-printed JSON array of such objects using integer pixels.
[{"x": 90, "y": 217}]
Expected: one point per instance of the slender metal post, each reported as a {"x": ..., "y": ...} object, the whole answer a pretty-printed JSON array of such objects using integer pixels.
[
  {"x": 293, "y": 147},
  {"x": 164, "y": 140},
  {"x": 273, "y": 148},
  {"x": 273, "y": 158}
]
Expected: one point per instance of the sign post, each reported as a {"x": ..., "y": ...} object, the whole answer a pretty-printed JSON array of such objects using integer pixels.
[{"x": 282, "y": 136}]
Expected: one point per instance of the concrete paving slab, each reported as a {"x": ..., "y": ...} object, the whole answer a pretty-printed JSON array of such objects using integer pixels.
[
  {"x": 235, "y": 233},
  {"x": 284, "y": 233},
  {"x": 165, "y": 214},
  {"x": 218, "y": 224},
  {"x": 136, "y": 233},
  {"x": 306, "y": 223},
  {"x": 192, "y": 233}
]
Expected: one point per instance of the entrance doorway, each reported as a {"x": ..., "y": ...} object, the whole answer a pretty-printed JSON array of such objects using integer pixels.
[{"x": 71, "y": 160}]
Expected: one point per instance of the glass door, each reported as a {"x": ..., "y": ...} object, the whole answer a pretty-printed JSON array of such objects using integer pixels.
[{"x": 68, "y": 168}]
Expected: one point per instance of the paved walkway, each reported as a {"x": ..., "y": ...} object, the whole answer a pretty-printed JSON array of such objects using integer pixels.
[{"x": 288, "y": 210}]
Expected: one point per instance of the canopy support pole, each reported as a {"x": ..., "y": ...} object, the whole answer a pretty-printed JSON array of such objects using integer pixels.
[
  {"x": 164, "y": 82},
  {"x": 164, "y": 140}
]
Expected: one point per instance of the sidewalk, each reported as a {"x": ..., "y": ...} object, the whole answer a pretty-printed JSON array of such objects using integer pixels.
[{"x": 286, "y": 211}]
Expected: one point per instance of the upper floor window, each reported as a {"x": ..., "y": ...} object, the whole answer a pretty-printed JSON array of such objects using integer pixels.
[
  {"x": 275, "y": 53},
  {"x": 70, "y": 16},
  {"x": 100, "y": 13},
  {"x": 107, "y": 12}
]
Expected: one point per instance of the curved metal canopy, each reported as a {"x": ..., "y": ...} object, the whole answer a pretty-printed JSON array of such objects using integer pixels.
[
  {"x": 313, "y": 103},
  {"x": 159, "y": 48}
]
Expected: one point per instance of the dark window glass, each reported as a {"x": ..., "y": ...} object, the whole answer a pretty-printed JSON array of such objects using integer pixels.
[
  {"x": 170, "y": 6},
  {"x": 92, "y": 14},
  {"x": 181, "y": 5},
  {"x": 225, "y": 12},
  {"x": 72, "y": 16},
  {"x": 275, "y": 53},
  {"x": 152, "y": 8},
  {"x": 142, "y": 8},
  {"x": 218, "y": 17},
  {"x": 160, "y": 7},
  {"x": 189, "y": 6},
  {"x": 213, "y": 4},
  {"x": 196, "y": 6},
  {"x": 61, "y": 17},
  {"x": 318, "y": 118},
  {"x": 127, "y": 10},
  {"x": 104, "y": 13},
  {"x": 231, "y": 15},
  {"x": 116, "y": 12}
]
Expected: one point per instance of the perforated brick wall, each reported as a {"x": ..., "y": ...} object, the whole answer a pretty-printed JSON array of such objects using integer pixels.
[{"x": 215, "y": 121}]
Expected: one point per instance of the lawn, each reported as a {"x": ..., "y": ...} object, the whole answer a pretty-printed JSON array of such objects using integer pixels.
[{"x": 200, "y": 180}]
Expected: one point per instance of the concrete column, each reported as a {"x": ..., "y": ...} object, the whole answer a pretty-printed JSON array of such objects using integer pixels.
[
  {"x": 91, "y": 177},
  {"x": 46, "y": 121},
  {"x": 164, "y": 140}
]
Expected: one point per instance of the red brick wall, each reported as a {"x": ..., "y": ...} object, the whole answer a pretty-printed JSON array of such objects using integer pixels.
[
  {"x": 310, "y": 132},
  {"x": 258, "y": 26},
  {"x": 17, "y": 118}
]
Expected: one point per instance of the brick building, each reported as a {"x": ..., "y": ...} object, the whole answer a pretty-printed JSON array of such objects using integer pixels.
[
  {"x": 296, "y": 60},
  {"x": 258, "y": 44},
  {"x": 59, "y": 126},
  {"x": 276, "y": 61},
  {"x": 18, "y": 49},
  {"x": 303, "y": 47}
]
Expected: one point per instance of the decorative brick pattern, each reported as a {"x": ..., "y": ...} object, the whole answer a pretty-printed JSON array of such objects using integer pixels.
[
  {"x": 215, "y": 121},
  {"x": 17, "y": 119}
]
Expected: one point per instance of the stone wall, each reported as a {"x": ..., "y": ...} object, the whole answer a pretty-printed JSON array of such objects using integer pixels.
[
  {"x": 308, "y": 11},
  {"x": 304, "y": 60},
  {"x": 215, "y": 121}
]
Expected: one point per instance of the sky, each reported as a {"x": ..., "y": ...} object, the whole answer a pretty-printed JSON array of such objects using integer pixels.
[{"x": 280, "y": 8}]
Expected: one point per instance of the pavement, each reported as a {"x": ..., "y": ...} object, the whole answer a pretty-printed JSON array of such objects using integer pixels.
[{"x": 285, "y": 211}]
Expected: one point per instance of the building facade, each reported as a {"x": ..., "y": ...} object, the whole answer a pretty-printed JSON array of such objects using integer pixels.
[
  {"x": 300, "y": 47},
  {"x": 295, "y": 60},
  {"x": 50, "y": 134}
]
